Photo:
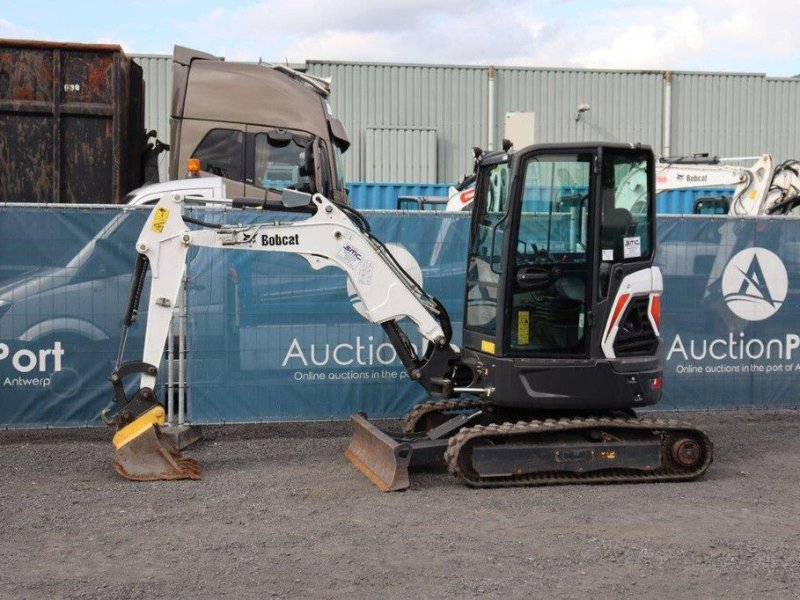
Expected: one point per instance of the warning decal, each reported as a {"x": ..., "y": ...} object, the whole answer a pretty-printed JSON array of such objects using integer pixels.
[{"x": 159, "y": 219}]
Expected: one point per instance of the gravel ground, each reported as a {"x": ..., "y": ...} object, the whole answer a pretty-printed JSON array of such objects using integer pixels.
[{"x": 281, "y": 513}]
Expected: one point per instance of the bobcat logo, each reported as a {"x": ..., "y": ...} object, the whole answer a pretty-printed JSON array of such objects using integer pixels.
[{"x": 754, "y": 284}]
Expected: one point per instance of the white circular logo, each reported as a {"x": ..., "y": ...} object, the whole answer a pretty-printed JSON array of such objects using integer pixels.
[{"x": 754, "y": 284}]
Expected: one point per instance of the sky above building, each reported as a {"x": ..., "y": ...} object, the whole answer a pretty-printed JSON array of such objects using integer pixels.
[{"x": 703, "y": 35}]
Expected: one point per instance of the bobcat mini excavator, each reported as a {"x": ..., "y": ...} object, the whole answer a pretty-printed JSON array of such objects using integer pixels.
[{"x": 561, "y": 327}]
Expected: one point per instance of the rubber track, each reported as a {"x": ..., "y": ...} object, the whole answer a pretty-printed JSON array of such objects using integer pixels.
[
  {"x": 468, "y": 435},
  {"x": 420, "y": 410}
]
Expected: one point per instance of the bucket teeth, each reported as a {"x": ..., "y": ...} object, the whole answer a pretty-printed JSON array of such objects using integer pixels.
[
  {"x": 145, "y": 454},
  {"x": 383, "y": 460},
  {"x": 150, "y": 456}
]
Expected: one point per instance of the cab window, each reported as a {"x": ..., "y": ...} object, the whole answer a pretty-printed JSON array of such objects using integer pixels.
[
  {"x": 549, "y": 266},
  {"x": 279, "y": 160},
  {"x": 627, "y": 214},
  {"x": 626, "y": 226},
  {"x": 221, "y": 153},
  {"x": 483, "y": 269}
]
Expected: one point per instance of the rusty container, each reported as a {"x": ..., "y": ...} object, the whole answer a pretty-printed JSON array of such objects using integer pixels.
[{"x": 71, "y": 122}]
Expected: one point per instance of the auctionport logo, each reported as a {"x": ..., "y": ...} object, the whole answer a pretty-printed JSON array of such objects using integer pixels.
[{"x": 754, "y": 284}]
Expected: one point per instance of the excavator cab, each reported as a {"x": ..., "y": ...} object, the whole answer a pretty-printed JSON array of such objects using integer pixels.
[{"x": 557, "y": 232}]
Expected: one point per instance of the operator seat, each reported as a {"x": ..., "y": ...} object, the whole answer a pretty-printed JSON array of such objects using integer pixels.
[{"x": 617, "y": 224}]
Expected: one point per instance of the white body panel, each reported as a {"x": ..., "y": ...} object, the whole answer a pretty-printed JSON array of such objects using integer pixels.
[
  {"x": 202, "y": 187},
  {"x": 647, "y": 282},
  {"x": 328, "y": 238}
]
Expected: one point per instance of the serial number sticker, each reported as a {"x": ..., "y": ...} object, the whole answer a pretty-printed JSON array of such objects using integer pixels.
[
  {"x": 631, "y": 247},
  {"x": 350, "y": 255},
  {"x": 608, "y": 255},
  {"x": 159, "y": 219},
  {"x": 365, "y": 273}
]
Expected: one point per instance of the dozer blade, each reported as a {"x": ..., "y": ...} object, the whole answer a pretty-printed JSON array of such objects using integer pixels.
[
  {"x": 382, "y": 459},
  {"x": 143, "y": 453}
]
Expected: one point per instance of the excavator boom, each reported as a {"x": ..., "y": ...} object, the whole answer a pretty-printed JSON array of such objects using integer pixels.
[{"x": 332, "y": 236}]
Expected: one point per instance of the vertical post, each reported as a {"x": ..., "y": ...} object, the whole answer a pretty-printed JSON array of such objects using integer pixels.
[
  {"x": 666, "y": 146},
  {"x": 492, "y": 75},
  {"x": 182, "y": 356},
  {"x": 178, "y": 428},
  {"x": 171, "y": 375}
]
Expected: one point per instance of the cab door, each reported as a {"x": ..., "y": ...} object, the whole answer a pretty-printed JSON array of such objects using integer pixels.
[
  {"x": 490, "y": 218},
  {"x": 547, "y": 265}
]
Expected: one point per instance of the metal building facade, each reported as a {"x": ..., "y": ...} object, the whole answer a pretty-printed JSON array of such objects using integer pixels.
[
  {"x": 157, "y": 73},
  {"x": 735, "y": 114},
  {"x": 725, "y": 114},
  {"x": 624, "y": 106},
  {"x": 449, "y": 99},
  {"x": 400, "y": 153}
]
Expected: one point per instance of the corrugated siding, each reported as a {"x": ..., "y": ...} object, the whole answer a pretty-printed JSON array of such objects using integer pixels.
[
  {"x": 730, "y": 114},
  {"x": 625, "y": 106},
  {"x": 157, "y": 73},
  {"x": 735, "y": 115},
  {"x": 402, "y": 155},
  {"x": 451, "y": 100}
]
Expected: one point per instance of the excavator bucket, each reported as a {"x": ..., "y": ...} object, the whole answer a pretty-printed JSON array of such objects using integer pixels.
[
  {"x": 143, "y": 453},
  {"x": 382, "y": 459}
]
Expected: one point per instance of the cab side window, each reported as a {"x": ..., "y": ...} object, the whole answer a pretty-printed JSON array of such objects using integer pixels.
[
  {"x": 483, "y": 269},
  {"x": 279, "y": 160},
  {"x": 221, "y": 153}
]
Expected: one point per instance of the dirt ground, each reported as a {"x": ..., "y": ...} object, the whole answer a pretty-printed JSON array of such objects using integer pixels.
[{"x": 281, "y": 513}]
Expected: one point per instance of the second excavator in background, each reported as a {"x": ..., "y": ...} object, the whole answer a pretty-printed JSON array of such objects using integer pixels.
[{"x": 763, "y": 188}]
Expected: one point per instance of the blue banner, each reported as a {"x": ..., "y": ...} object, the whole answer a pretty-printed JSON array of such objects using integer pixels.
[
  {"x": 730, "y": 311},
  {"x": 271, "y": 339}
]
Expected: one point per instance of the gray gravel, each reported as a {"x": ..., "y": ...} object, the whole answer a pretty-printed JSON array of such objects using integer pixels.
[{"x": 281, "y": 513}]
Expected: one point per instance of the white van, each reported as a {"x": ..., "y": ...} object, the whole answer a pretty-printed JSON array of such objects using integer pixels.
[{"x": 84, "y": 299}]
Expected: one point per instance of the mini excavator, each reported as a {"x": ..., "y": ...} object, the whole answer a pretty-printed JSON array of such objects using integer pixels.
[{"x": 561, "y": 341}]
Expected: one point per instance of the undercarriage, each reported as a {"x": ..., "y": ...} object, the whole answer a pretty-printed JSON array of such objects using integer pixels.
[{"x": 485, "y": 445}]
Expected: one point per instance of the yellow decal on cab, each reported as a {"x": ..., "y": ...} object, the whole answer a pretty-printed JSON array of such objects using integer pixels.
[
  {"x": 523, "y": 327},
  {"x": 487, "y": 346}
]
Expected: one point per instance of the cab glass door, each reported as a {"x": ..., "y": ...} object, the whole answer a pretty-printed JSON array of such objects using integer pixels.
[
  {"x": 484, "y": 265},
  {"x": 549, "y": 262}
]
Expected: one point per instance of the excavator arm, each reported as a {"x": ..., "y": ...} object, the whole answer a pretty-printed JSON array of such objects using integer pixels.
[
  {"x": 760, "y": 189},
  {"x": 332, "y": 235}
]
